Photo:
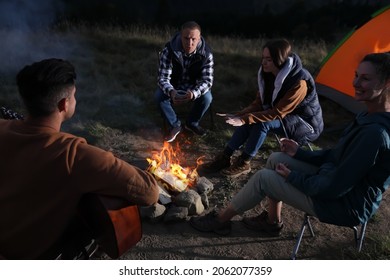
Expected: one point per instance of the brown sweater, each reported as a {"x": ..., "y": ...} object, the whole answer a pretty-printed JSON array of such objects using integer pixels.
[
  {"x": 44, "y": 173},
  {"x": 255, "y": 113}
]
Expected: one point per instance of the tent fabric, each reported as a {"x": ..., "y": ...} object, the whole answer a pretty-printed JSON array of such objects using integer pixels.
[
  {"x": 345, "y": 100},
  {"x": 338, "y": 68}
]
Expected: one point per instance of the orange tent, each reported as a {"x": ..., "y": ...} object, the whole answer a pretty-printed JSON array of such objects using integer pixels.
[{"x": 337, "y": 70}]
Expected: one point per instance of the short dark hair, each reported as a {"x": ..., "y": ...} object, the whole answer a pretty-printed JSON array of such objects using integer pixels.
[
  {"x": 279, "y": 49},
  {"x": 43, "y": 84},
  {"x": 191, "y": 25}
]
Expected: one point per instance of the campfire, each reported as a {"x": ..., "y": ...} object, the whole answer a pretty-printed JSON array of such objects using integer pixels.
[
  {"x": 165, "y": 166},
  {"x": 182, "y": 191}
]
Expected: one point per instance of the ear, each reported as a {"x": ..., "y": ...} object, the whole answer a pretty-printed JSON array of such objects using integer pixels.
[{"x": 62, "y": 105}]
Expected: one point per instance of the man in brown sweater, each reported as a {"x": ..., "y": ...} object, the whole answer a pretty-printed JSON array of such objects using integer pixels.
[{"x": 44, "y": 172}]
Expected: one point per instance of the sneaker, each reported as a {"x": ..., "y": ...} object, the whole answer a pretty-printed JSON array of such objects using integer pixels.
[
  {"x": 209, "y": 223},
  {"x": 238, "y": 168},
  {"x": 197, "y": 129},
  {"x": 260, "y": 223},
  {"x": 173, "y": 133},
  {"x": 220, "y": 162}
]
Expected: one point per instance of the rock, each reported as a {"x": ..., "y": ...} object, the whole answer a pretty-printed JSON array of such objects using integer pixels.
[
  {"x": 204, "y": 185},
  {"x": 190, "y": 199},
  {"x": 175, "y": 214},
  {"x": 205, "y": 200},
  {"x": 154, "y": 213}
]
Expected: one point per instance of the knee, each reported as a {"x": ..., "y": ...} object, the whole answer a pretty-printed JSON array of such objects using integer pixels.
[
  {"x": 261, "y": 181},
  {"x": 274, "y": 158},
  {"x": 159, "y": 96},
  {"x": 207, "y": 98},
  {"x": 266, "y": 178},
  {"x": 260, "y": 175}
]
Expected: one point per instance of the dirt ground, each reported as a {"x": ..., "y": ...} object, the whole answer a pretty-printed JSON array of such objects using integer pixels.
[{"x": 179, "y": 241}]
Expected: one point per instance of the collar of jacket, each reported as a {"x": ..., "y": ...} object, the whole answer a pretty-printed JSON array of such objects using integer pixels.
[
  {"x": 177, "y": 47},
  {"x": 291, "y": 66}
]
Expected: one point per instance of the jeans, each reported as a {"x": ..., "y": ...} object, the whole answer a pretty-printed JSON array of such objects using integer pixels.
[
  {"x": 254, "y": 136},
  {"x": 199, "y": 108}
]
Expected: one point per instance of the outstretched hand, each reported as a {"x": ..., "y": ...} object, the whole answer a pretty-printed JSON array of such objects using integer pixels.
[
  {"x": 234, "y": 121},
  {"x": 231, "y": 119}
]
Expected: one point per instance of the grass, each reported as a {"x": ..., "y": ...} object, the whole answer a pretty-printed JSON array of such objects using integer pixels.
[
  {"x": 117, "y": 70},
  {"x": 122, "y": 63}
]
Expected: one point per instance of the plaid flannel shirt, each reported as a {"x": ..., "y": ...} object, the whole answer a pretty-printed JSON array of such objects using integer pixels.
[{"x": 199, "y": 88}]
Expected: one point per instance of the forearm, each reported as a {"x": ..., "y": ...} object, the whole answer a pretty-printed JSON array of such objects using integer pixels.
[
  {"x": 206, "y": 82},
  {"x": 165, "y": 86},
  {"x": 345, "y": 168},
  {"x": 164, "y": 73},
  {"x": 285, "y": 106},
  {"x": 100, "y": 172}
]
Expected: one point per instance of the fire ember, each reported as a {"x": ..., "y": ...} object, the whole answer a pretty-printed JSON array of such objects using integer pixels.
[{"x": 165, "y": 166}]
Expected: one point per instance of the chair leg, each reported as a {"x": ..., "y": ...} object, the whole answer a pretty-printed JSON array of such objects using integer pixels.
[
  {"x": 306, "y": 222},
  {"x": 359, "y": 237},
  {"x": 278, "y": 140}
]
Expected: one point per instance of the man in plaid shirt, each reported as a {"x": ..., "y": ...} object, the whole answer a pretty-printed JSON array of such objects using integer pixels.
[{"x": 185, "y": 74}]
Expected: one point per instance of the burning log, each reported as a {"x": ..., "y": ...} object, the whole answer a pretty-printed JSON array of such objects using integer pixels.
[
  {"x": 169, "y": 181},
  {"x": 167, "y": 170},
  {"x": 173, "y": 178}
]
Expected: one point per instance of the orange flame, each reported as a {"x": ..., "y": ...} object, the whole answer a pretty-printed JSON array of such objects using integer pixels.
[{"x": 167, "y": 161}]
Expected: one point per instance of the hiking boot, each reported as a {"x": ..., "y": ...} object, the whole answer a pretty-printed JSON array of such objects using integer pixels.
[
  {"x": 260, "y": 223},
  {"x": 209, "y": 223},
  {"x": 172, "y": 134},
  {"x": 197, "y": 129},
  {"x": 220, "y": 162},
  {"x": 238, "y": 168}
]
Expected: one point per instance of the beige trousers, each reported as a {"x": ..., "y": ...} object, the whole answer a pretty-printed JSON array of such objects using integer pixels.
[{"x": 266, "y": 182}]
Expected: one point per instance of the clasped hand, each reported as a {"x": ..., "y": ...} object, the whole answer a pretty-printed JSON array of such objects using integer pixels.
[{"x": 178, "y": 99}]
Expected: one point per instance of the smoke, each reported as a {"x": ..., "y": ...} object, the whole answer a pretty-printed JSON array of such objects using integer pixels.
[
  {"x": 25, "y": 32},
  {"x": 27, "y": 14}
]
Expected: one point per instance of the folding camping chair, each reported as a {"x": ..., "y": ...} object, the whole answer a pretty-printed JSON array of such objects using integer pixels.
[
  {"x": 358, "y": 235},
  {"x": 307, "y": 143}
]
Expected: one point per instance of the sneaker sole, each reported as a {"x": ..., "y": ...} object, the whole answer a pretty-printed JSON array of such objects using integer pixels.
[
  {"x": 236, "y": 175},
  {"x": 173, "y": 137}
]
